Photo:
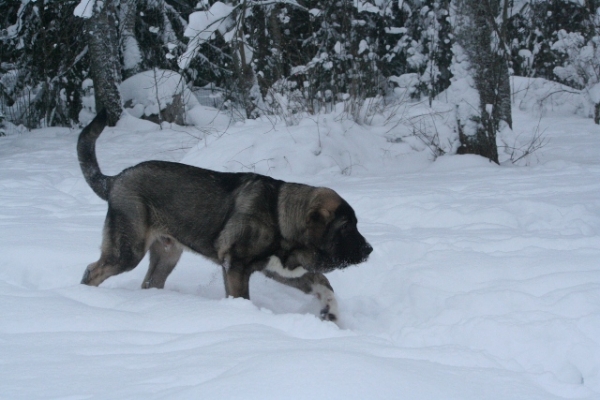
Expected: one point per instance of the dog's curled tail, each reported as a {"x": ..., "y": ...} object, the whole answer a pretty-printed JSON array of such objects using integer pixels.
[{"x": 86, "y": 152}]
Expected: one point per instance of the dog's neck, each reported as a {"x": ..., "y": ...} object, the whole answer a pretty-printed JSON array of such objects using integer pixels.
[{"x": 292, "y": 206}]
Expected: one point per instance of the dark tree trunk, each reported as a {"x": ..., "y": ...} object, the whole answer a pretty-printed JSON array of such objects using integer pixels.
[
  {"x": 244, "y": 79},
  {"x": 244, "y": 74},
  {"x": 268, "y": 46},
  {"x": 128, "y": 42},
  {"x": 489, "y": 66},
  {"x": 103, "y": 42}
]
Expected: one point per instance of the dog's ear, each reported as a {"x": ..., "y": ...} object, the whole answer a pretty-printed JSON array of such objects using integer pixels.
[
  {"x": 320, "y": 216},
  {"x": 317, "y": 221},
  {"x": 322, "y": 211}
]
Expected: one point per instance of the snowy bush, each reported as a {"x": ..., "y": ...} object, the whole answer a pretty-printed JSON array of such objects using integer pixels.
[
  {"x": 583, "y": 63},
  {"x": 158, "y": 95}
]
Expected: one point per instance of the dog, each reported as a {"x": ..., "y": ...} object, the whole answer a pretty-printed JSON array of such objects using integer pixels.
[{"x": 245, "y": 222}]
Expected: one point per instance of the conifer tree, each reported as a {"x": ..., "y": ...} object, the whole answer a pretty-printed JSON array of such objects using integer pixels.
[{"x": 42, "y": 62}]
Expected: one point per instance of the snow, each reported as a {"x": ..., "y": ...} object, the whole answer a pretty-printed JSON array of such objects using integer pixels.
[
  {"x": 362, "y": 46},
  {"x": 462, "y": 91},
  {"x": 202, "y": 27},
  {"x": 544, "y": 98},
  {"x": 146, "y": 92},
  {"x": 594, "y": 93},
  {"x": 337, "y": 47},
  {"x": 365, "y": 6},
  {"x": 132, "y": 57},
  {"x": 84, "y": 9},
  {"x": 396, "y": 31},
  {"x": 484, "y": 282}
]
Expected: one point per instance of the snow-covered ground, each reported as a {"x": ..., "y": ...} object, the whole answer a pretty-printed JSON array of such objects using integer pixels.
[{"x": 484, "y": 282}]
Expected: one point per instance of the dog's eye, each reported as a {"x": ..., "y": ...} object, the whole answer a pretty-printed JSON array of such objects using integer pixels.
[{"x": 345, "y": 228}]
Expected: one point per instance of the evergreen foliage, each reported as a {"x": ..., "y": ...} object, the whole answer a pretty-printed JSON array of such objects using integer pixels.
[
  {"x": 42, "y": 62},
  {"x": 279, "y": 56},
  {"x": 534, "y": 29}
]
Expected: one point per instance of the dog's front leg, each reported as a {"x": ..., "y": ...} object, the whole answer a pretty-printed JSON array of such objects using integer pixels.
[
  {"x": 236, "y": 279},
  {"x": 312, "y": 283},
  {"x": 323, "y": 291}
]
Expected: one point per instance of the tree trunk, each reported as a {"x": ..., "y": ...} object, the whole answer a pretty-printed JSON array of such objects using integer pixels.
[
  {"x": 244, "y": 74},
  {"x": 103, "y": 43},
  {"x": 477, "y": 28},
  {"x": 128, "y": 43}
]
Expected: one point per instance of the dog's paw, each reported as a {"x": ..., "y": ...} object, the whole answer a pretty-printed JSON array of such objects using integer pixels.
[
  {"x": 85, "y": 280},
  {"x": 327, "y": 314}
]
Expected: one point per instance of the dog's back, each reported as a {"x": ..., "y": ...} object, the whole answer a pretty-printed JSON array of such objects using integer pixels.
[{"x": 193, "y": 204}]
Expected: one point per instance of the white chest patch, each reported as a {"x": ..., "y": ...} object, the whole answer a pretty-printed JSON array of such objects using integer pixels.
[{"x": 276, "y": 267}]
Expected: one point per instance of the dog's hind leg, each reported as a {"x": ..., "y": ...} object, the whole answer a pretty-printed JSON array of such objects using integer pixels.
[
  {"x": 123, "y": 247},
  {"x": 164, "y": 255},
  {"x": 111, "y": 264},
  {"x": 312, "y": 283}
]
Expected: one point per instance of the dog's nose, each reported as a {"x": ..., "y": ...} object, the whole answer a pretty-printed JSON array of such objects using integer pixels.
[{"x": 367, "y": 249}]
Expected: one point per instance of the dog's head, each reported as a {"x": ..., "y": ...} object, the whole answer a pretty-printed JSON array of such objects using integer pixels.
[{"x": 331, "y": 229}]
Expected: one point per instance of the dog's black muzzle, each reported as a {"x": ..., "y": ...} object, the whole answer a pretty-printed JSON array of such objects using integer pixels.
[
  {"x": 360, "y": 255},
  {"x": 365, "y": 251}
]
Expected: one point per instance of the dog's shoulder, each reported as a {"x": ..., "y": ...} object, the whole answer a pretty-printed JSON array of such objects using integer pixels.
[{"x": 254, "y": 193}]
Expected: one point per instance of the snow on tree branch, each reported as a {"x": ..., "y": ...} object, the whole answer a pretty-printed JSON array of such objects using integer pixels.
[{"x": 85, "y": 9}]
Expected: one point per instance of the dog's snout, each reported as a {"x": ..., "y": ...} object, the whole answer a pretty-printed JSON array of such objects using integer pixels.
[{"x": 367, "y": 249}]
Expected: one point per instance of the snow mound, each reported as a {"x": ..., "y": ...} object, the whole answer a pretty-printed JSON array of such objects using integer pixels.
[
  {"x": 544, "y": 98},
  {"x": 319, "y": 146},
  {"x": 149, "y": 92},
  {"x": 331, "y": 144},
  {"x": 133, "y": 124},
  {"x": 460, "y": 162}
]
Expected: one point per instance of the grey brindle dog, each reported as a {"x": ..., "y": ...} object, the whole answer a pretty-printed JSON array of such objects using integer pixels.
[{"x": 245, "y": 222}]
